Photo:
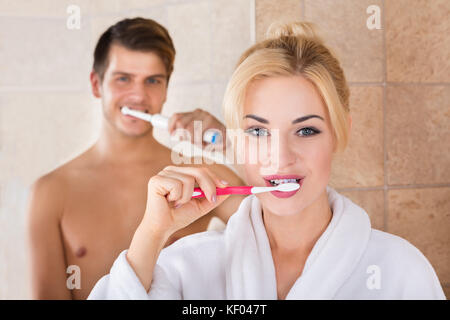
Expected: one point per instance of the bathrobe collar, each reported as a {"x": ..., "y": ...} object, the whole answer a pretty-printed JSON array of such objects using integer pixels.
[{"x": 250, "y": 272}]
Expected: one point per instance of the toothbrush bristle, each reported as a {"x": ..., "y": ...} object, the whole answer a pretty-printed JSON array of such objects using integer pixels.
[
  {"x": 287, "y": 187},
  {"x": 124, "y": 110}
]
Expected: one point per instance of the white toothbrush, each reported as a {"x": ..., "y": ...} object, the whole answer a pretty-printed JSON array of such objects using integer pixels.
[
  {"x": 159, "y": 121},
  {"x": 284, "y": 187}
]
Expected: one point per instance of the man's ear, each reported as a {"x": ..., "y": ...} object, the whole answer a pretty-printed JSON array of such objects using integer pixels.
[
  {"x": 350, "y": 123},
  {"x": 167, "y": 89},
  {"x": 95, "y": 84}
]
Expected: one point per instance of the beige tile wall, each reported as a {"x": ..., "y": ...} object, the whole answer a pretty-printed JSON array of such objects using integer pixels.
[
  {"x": 397, "y": 165},
  {"x": 399, "y": 79}
]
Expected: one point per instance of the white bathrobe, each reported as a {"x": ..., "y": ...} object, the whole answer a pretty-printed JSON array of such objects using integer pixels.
[{"x": 350, "y": 260}]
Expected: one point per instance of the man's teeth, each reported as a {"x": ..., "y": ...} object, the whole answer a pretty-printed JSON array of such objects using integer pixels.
[
  {"x": 279, "y": 181},
  {"x": 145, "y": 110}
]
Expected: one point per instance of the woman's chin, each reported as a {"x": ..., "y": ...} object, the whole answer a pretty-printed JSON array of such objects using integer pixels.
[{"x": 280, "y": 207}]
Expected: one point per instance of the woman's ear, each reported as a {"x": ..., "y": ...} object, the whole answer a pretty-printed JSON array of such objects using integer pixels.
[{"x": 95, "y": 84}]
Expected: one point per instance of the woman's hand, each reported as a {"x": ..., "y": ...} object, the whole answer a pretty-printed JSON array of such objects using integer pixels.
[
  {"x": 169, "y": 204},
  {"x": 170, "y": 208}
]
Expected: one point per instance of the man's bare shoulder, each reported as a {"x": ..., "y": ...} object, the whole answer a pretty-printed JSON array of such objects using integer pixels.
[
  {"x": 82, "y": 162},
  {"x": 48, "y": 191},
  {"x": 46, "y": 197}
]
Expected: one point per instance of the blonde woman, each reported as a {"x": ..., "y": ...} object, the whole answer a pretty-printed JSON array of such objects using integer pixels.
[{"x": 309, "y": 244}]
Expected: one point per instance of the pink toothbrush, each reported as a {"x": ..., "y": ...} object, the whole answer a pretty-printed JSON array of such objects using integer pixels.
[{"x": 285, "y": 187}]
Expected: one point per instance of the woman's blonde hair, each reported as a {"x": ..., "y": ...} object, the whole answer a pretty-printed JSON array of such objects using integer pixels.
[{"x": 289, "y": 50}]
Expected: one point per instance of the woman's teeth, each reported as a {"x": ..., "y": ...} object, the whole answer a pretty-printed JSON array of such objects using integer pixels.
[{"x": 279, "y": 181}]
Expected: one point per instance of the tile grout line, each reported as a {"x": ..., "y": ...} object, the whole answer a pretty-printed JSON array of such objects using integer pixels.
[
  {"x": 302, "y": 7},
  {"x": 211, "y": 55},
  {"x": 385, "y": 158},
  {"x": 31, "y": 88},
  {"x": 393, "y": 83},
  {"x": 419, "y": 186},
  {"x": 252, "y": 21},
  {"x": 396, "y": 187},
  {"x": 390, "y": 83}
]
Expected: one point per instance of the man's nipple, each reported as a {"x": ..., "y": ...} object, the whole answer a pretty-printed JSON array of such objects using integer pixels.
[{"x": 81, "y": 252}]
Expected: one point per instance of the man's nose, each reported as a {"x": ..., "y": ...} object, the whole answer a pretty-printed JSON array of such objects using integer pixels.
[{"x": 138, "y": 94}]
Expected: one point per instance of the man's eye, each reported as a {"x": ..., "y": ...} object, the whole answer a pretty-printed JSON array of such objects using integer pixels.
[
  {"x": 123, "y": 79},
  {"x": 307, "y": 132},
  {"x": 257, "y": 132},
  {"x": 152, "y": 81}
]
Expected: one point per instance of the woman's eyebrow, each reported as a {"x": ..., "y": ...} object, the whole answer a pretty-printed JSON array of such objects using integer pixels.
[
  {"x": 301, "y": 119},
  {"x": 252, "y": 116}
]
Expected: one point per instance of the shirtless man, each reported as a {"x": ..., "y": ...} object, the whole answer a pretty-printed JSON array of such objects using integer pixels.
[{"x": 85, "y": 212}]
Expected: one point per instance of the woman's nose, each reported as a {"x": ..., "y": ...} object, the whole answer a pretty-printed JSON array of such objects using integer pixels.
[{"x": 282, "y": 152}]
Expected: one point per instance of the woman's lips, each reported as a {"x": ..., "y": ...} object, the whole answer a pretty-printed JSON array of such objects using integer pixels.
[{"x": 281, "y": 194}]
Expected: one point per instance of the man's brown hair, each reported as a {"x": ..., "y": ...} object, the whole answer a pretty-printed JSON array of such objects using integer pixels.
[{"x": 135, "y": 34}]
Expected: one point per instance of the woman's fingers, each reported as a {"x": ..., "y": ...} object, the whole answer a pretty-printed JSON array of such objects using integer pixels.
[
  {"x": 206, "y": 179},
  {"x": 172, "y": 187},
  {"x": 204, "y": 205},
  {"x": 167, "y": 187},
  {"x": 187, "y": 181}
]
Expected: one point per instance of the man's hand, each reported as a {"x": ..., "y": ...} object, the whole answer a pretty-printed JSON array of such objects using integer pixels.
[{"x": 185, "y": 120}]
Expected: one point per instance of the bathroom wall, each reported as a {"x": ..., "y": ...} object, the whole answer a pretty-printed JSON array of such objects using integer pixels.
[
  {"x": 397, "y": 165},
  {"x": 397, "y": 162}
]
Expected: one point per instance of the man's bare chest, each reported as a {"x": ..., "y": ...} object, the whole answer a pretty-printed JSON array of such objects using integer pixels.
[
  {"x": 102, "y": 212},
  {"x": 98, "y": 222}
]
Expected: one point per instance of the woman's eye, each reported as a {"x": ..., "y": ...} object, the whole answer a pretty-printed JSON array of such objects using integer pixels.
[
  {"x": 307, "y": 132},
  {"x": 257, "y": 132}
]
